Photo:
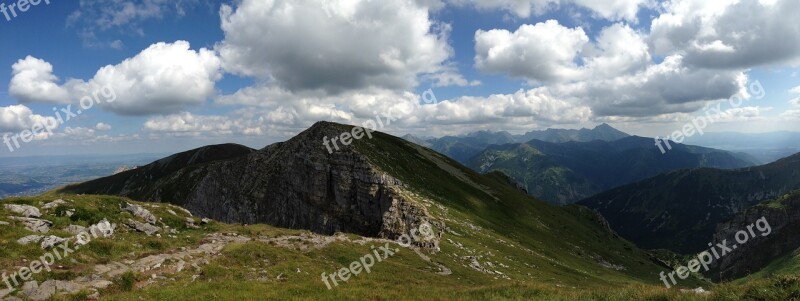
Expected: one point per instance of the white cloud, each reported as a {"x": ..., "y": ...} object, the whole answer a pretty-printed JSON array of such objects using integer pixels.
[
  {"x": 333, "y": 45},
  {"x": 164, "y": 78},
  {"x": 544, "y": 52},
  {"x": 102, "y": 127},
  {"x": 19, "y": 117},
  {"x": 668, "y": 87},
  {"x": 33, "y": 81},
  {"x": 729, "y": 34},
  {"x": 795, "y": 90},
  {"x": 550, "y": 52}
]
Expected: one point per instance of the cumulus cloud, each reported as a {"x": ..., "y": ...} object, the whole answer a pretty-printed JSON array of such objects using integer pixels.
[
  {"x": 164, "y": 78},
  {"x": 19, "y": 117},
  {"x": 668, "y": 87},
  {"x": 544, "y": 52},
  {"x": 384, "y": 44},
  {"x": 729, "y": 34},
  {"x": 795, "y": 90},
  {"x": 33, "y": 81},
  {"x": 550, "y": 52},
  {"x": 102, "y": 127}
]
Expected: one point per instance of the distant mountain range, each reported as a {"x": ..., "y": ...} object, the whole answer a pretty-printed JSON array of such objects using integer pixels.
[
  {"x": 679, "y": 210},
  {"x": 564, "y": 173},
  {"x": 463, "y": 148},
  {"x": 563, "y": 166}
]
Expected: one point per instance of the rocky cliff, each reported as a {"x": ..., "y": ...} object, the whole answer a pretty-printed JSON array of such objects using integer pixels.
[
  {"x": 294, "y": 184},
  {"x": 782, "y": 216}
]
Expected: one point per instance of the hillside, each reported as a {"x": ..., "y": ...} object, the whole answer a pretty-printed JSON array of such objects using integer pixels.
[
  {"x": 564, "y": 173},
  {"x": 679, "y": 210},
  {"x": 188, "y": 258},
  {"x": 384, "y": 186}
]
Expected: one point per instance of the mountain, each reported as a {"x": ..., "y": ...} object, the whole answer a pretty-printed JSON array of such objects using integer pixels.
[
  {"x": 463, "y": 148},
  {"x": 679, "y": 210},
  {"x": 602, "y": 132},
  {"x": 564, "y": 173},
  {"x": 487, "y": 231},
  {"x": 773, "y": 242}
]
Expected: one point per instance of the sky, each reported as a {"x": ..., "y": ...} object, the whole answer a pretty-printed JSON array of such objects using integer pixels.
[{"x": 159, "y": 76}]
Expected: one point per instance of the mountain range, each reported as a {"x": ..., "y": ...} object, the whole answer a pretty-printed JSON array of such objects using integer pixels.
[
  {"x": 679, "y": 210},
  {"x": 463, "y": 148}
]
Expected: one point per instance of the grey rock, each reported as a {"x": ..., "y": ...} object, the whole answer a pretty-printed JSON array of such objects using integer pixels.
[
  {"x": 75, "y": 229},
  {"x": 141, "y": 212},
  {"x": 190, "y": 223},
  {"x": 30, "y": 239},
  {"x": 142, "y": 227},
  {"x": 103, "y": 228},
  {"x": 33, "y": 224},
  {"x": 2, "y": 223},
  {"x": 51, "y": 241},
  {"x": 24, "y": 210},
  {"x": 54, "y": 204}
]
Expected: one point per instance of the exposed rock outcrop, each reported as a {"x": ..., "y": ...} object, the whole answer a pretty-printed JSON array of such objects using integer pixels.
[
  {"x": 23, "y": 210},
  {"x": 762, "y": 247},
  {"x": 295, "y": 184}
]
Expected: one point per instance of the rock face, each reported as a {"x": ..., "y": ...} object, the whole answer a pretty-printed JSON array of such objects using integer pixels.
[
  {"x": 294, "y": 184},
  {"x": 783, "y": 218}
]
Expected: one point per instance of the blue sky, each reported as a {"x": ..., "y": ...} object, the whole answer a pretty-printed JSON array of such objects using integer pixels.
[{"x": 263, "y": 72}]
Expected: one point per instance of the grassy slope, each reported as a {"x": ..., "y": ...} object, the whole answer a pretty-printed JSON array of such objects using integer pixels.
[{"x": 249, "y": 271}]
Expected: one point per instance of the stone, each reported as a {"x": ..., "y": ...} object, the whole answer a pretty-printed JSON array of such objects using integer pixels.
[
  {"x": 103, "y": 228},
  {"x": 29, "y": 239},
  {"x": 33, "y": 224},
  {"x": 51, "y": 241},
  {"x": 205, "y": 221},
  {"x": 54, "y": 204},
  {"x": 171, "y": 212},
  {"x": 143, "y": 227},
  {"x": 190, "y": 223},
  {"x": 139, "y": 211},
  {"x": 75, "y": 229},
  {"x": 24, "y": 210},
  {"x": 2, "y": 223}
]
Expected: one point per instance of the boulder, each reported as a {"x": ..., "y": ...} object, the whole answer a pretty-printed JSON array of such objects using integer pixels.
[
  {"x": 75, "y": 229},
  {"x": 23, "y": 210},
  {"x": 139, "y": 211},
  {"x": 33, "y": 224},
  {"x": 143, "y": 227},
  {"x": 29, "y": 239},
  {"x": 51, "y": 241},
  {"x": 54, "y": 204}
]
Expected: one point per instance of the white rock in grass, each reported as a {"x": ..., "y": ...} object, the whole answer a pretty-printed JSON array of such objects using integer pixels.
[
  {"x": 139, "y": 211},
  {"x": 24, "y": 210},
  {"x": 75, "y": 229},
  {"x": 54, "y": 204},
  {"x": 51, "y": 241},
  {"x": 29, "y": 239},
  {"x": 35, "y": 225}
]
